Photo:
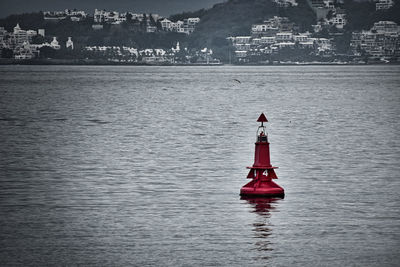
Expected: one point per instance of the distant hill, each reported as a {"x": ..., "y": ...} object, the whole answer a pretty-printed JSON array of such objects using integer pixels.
[
  {"x": 235, "y": 17},
  {"x": 230, "y": 18}
]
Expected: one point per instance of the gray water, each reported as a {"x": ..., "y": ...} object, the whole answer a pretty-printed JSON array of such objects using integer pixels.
[{"x": 142, "y": 166}]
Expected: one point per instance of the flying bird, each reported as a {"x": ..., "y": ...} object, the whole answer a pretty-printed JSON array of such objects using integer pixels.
[{"x": 236, "y": 80}]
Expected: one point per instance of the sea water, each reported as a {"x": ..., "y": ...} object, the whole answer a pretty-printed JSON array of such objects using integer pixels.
[{"x": 142, "y": 166}]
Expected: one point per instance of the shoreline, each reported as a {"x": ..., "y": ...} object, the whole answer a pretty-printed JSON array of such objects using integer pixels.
[{"x": 90, "y": 62}]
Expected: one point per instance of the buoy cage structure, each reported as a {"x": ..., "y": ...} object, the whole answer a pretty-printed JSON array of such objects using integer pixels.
[{"x": 262, "y": 172}]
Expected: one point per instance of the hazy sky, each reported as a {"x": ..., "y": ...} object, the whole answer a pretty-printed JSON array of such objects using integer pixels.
[{"x": 162, "y": 7}]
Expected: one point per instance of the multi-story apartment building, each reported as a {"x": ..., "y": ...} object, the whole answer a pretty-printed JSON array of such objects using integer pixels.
[
  {"x": 381, "y": 41},
  {"x": 18, "y": 37}
]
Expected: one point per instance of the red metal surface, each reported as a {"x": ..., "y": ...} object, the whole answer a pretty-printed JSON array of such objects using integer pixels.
[
  {"x": 262, "y": 172},
  {"x": 262, "y": 118}
]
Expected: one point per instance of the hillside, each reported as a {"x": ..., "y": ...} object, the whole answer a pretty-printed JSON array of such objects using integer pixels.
[
  {"x": 231, "y": 18},
  {"x": 235, "y": 17}
]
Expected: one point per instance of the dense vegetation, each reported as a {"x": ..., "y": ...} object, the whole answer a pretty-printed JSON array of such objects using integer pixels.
[{"x": 185, "y": 15}]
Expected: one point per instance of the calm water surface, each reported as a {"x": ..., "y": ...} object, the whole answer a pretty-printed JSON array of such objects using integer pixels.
[{"x": 142, "y": 166}]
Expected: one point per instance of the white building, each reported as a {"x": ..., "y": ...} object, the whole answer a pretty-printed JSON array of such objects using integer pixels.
[
  {"x": 258, "y": 28},
  {"x": 329, "y": 4},
  {"x": 381, "y": 41},
  {"x": 23, "y": 52},
  {"x": 384, "y": 4},
  {"x": 69, "y": 43},
  {"x": 241, "y": 39},
  {"x": 101, "y": 16},
  {"x": 284, "y": 36},
  {"x": 166, "y": 24},
  {"x": 386, "y": 27},
  {"x": 54, "y": 44},
  {"x": 286, "y": 44},
  {"x": 41, "y": 32},
  {"x": 322, "y": 44},
  {"x": 186, "y": 26},
  {"x": 240, "y": 54},
  {"x": 338, "y": 19},
  {"x": 75, "y": 15},
  {"x": 285, "y": 3},
  {"x": 301, "y": 38},
  {"x": 54, "y": 15},
  {"x": 18, "y": 37},
  {"x": 151, "y": 28},
  {"x": 268, "y": 40}
]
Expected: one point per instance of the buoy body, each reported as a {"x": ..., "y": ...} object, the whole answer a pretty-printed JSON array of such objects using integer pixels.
[{"x": 262, "y": 172}]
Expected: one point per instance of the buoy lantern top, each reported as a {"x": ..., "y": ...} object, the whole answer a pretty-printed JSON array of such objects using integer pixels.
[{"x": 262, "y": 118}]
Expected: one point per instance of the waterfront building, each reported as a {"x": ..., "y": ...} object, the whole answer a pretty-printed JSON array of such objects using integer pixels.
[
  {"x": 69, "y": 44},
  {"x": 23, "y": 52},
  {"x": 186, "y": 26},
  {"x": 176, "y": 48},
  {"x": 54, "y": 44}
]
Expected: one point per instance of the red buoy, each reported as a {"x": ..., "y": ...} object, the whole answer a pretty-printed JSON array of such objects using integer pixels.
[{"x": 262, "y": 172}]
